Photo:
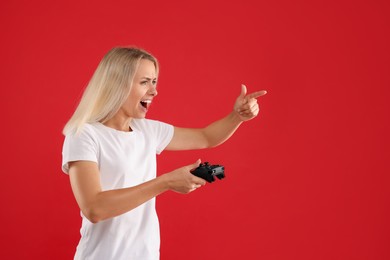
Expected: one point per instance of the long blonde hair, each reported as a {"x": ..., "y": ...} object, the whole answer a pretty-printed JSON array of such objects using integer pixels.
[{"x": 108, "y": 88}]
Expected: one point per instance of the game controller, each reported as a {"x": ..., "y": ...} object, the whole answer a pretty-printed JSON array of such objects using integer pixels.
[{"x": 207, "y": 171}]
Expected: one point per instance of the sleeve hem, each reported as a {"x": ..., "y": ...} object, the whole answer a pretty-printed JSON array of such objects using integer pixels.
[{"x": 65, "y": 165}]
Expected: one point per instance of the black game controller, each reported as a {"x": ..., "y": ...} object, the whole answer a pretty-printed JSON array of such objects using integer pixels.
[{"x": 207, "y": 172}]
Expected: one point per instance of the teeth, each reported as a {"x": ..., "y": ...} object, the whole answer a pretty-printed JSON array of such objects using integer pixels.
[{"x": 146, "y": 103}]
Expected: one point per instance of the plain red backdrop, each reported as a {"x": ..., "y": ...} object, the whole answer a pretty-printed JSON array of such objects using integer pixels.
[{"x": 307, "y": 179}]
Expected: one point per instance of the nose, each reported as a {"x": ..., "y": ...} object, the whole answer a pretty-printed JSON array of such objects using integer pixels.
[{"x": 153, "y": 90}]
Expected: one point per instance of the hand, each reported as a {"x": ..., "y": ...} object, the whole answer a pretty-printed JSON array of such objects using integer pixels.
[
  {"x": 183, "y": 181},
  {"x": 246, "y": 106}
]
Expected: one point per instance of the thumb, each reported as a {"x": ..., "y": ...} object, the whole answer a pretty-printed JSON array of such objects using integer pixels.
[
  {"x": 243, "y": 91},
  {"x": 196, "y": 164}
]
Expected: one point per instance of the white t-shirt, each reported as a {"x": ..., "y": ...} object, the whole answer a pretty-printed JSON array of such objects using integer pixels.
[{"x": 124, "y": 159}]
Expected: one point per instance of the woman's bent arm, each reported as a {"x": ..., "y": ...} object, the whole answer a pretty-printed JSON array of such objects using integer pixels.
[{"x": 98, "y": 205}]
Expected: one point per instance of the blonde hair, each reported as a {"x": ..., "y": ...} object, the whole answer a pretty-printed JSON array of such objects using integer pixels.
[{"x": 108, "y": 88}]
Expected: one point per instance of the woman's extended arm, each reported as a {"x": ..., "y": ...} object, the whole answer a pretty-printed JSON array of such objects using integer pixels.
[
  {"x": 98, "y": 205},
  {"x": 216, "y": 133}
]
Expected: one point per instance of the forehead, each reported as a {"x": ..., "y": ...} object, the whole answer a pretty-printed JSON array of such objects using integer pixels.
[{"x": 146, "y": 68}]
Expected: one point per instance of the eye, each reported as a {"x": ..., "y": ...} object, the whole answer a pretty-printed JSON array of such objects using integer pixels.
[
  {"x": 154, "y": 82},
  {"x": 144, "y": 82}
]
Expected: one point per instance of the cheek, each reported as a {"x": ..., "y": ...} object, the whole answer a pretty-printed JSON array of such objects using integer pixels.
[
  {"x": 133, "y": 102},
  {"x": 129, "y": 103},
  {"x": 137, "y": 92}
]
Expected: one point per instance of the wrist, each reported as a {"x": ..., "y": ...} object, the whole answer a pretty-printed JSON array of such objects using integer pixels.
[
  {"x": 164, "y": 182},
  {"x": 235, "y": 117}
]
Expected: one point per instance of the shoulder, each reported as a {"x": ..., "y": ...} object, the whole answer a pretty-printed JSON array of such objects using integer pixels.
[
  {"x": 87, "y": 132},
  {"x": 149, "y": 125}
]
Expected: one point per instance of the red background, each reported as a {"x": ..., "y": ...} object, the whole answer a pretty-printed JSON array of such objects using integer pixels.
[{"x": 307, "y": 179}]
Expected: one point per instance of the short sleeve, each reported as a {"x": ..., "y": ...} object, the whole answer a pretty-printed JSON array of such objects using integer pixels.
[
  {"x": 164, "y": 136},
  {"x": 162, "y": 133},
  {"x": 81, "y": 146}
]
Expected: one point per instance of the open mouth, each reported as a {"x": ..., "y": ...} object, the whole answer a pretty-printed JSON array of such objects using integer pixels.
[{"x": 146, "y": 103}]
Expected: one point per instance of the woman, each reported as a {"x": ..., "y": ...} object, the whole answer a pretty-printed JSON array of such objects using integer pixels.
[{"x": 110, "y": 152}]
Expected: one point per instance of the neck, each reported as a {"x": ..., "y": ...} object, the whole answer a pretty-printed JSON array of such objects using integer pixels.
[{"x": 119, "y": 124}]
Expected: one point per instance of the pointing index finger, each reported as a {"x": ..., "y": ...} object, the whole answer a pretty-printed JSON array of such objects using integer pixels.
[{"x": 256, "y": 94}]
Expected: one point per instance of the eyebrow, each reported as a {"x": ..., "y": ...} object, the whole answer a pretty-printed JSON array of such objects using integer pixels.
[{"x": 148, "y": 78}]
